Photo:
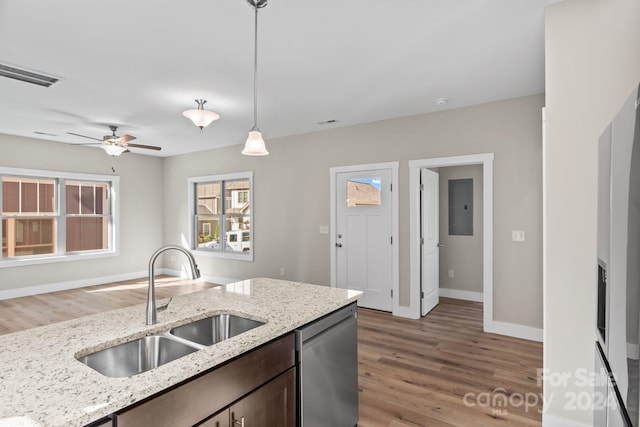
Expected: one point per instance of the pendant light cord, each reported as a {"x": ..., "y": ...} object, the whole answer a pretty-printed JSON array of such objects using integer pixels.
[{"x": 255, "y": 71}]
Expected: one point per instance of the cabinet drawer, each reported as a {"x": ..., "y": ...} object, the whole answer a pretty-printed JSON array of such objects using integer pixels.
[{"x": 197, "y": 399}]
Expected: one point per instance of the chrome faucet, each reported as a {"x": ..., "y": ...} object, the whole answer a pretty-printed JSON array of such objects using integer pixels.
[{"x": 152, "y": 310}]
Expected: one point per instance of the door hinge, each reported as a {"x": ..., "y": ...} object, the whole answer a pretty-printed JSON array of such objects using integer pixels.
[
  {"x": 391, "y": 293},
  {"x": 421, "y": 294},
  {"x": 422, "y": 240},
  {"x": 392, "y": 240},
  {"x": 421, "y": 187},
  {"x": 390, "y": 186}
]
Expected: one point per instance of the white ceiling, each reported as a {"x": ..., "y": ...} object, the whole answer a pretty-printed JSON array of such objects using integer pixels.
[{"x": 139, "y": 64}]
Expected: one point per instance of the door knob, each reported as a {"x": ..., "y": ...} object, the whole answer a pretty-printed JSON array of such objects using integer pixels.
[{"x": 338, "y": 245}]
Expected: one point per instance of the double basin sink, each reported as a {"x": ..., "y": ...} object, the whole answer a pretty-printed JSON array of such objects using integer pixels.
[{"x": 146, "y": 353}]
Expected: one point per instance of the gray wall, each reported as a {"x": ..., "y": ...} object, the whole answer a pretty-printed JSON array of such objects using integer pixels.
[
  {"x": 141, "y": 209},
  {"x": 292, "y": 194},
  {"x": 462, "y": 254},
  {"x": 592, "y": 64}
]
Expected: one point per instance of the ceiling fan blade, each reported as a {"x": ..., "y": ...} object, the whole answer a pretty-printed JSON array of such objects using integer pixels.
[
  {"x": 125, "y": 139},
  {"x": 148, "y": 147},
  {"x": 84, "y": 136}
]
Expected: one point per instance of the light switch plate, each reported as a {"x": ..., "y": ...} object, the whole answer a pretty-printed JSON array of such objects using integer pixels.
[
  {"x": 517, "y": 236},
  {"x": 324, "y": 229}
]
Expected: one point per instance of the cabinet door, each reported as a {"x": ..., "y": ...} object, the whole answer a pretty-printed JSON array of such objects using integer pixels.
[
  {"x": 221, "y": 419},
  {"x": 273, "y": 404}
]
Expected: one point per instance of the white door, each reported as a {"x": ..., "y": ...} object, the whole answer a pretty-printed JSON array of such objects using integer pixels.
[
  {"x": 363, "y": 236},
  {"x": 430, "y": 227}
]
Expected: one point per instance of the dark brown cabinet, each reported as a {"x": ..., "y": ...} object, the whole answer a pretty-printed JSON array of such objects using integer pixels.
[
  {"x": 273, "y": 404},
  {"x": 259, "y": 386}
]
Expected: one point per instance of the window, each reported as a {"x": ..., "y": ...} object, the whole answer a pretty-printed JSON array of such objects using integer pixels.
[
  {"x": 221, "y": 215},
  {"x": 52, "y": 216}
]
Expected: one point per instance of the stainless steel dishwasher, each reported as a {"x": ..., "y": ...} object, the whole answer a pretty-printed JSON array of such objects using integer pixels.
[{"x": 327, "y": 358}]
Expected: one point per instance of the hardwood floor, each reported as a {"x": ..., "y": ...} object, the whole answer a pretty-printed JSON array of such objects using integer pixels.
[
  {"x": 442, "y": 370},
  {"x": 438, "y": 371},
  {"x": 37, "y": 310}
]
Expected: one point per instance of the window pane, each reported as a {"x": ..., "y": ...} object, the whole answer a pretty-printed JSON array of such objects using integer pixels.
[
  {"x": 209, "y": 233},
  {"x": 28, "y": 236},
  {"x": 102, "y": 203},
  {"x": 363, "y": 192},
  {"x": 73, "y": 198},
  {"x": 208, "y": 198},
  {"x": 10, "y": 196},
  {"x": 238, "y": 238},
  {"x": 87, "y": 233},
  {"x": 86, "y": 200},
  {"x": 236, "y": 194},
  {"x": 29, "y": 196},
  {"x": 46, "y": 196}
]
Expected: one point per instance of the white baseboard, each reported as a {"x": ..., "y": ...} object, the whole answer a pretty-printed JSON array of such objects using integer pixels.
[
  {"x": 554, "y": 421},
  {"x": 458, "y": 294},
  {"x": 633, "y": 351},
  {"x": 514, "y": 330},
  {"x": 63, "y": 286},
  {"x": 211, "y": 279}
]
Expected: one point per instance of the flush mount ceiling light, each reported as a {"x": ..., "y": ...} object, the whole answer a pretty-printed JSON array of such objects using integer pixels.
[
  {"x": 201, "y": 117},
  {"x": 113, "y": 149},
  {"x": 254, "y": 146}
]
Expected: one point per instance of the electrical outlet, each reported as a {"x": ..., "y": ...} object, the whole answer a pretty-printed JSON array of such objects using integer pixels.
[
  {"x": 282, "y": 271},
  {"x": 517, "y": 236},
  {"x": 451, "y": 274}
]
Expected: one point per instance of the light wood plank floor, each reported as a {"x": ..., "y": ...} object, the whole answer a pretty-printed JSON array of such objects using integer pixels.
[
  {"x": 37, "y": 310},
  {"x": 442, "y": 370},
  {"x": 411, "y": 372}
]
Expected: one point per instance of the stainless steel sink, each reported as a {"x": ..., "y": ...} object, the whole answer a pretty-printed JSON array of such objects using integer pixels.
[
  {"x": 214, "y": 329},
  {"x": 135, "y": 357}
]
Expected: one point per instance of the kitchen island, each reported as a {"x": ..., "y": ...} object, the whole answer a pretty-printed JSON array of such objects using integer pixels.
[{"x": 43, "y": 383}]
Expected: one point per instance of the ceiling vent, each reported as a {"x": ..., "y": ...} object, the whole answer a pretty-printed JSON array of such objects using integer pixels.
[{"x": 26, "y": 76}]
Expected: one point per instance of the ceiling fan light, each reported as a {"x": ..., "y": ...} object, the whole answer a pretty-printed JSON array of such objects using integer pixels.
[
  {"x": 201, "y": 117},
  {"x": 113, "y": 150},
  {"x": 254, "y": 146}
]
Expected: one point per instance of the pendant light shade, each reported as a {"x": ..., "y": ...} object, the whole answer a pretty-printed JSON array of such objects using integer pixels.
[
  {"x": 113, "y": 149},
  {"x": 254, "y": 146},
  {"x": 201, "y": 117}
]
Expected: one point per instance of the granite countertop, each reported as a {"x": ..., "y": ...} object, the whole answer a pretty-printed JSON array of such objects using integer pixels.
[{"x": 42, "y": 383}]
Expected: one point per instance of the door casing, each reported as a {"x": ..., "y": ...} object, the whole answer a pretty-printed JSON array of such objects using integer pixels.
[{"x": 486, "y": 160}]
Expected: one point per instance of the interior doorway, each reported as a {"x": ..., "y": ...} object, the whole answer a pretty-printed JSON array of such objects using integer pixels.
[{"x": 415, "y": 259}]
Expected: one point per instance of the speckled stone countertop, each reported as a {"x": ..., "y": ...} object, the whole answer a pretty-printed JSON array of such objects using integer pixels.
[{"x": 43, "y": 385}]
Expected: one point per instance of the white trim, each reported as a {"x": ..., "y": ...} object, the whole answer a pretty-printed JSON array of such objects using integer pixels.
[
  {"x": 633, "y": 351},
  {"x": 463, "y": 295},
  {"x": 216, "y": 280},
  {"x": 514, "y": 330},
  {"x": 554, "y": 421},
  {"x": 63, "y": 286},
  {"x": 191, "y": 181},
  {"x": 486, "y": 160},
  {"x": 395, "y": 227}
]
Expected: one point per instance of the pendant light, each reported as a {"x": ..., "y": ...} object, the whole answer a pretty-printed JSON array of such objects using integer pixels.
[
  {"x": 254, "y": 146},
  {"x": 201, "y": 117}
]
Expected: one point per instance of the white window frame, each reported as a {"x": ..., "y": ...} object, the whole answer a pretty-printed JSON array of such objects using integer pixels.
[
  {"x": 61, "y": 255},
  {"x": 191, "y": 192}
]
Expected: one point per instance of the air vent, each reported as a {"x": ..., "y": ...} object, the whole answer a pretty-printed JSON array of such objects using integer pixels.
[
  {"x": 44, "y": 133},
  {"x": 328, "y": 122},
  {"x": 26, "y": 76}
]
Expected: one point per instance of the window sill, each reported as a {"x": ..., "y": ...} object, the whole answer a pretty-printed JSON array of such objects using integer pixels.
[{"x": 48, "y": 259}]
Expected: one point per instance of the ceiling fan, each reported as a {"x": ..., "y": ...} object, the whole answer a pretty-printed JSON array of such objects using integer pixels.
[{"x": 116, "y": 145}]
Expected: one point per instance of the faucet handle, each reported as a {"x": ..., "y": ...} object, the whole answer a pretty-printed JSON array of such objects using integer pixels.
[{"x": 164, "y": 306}]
